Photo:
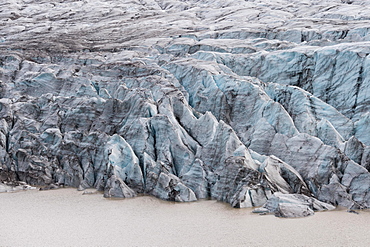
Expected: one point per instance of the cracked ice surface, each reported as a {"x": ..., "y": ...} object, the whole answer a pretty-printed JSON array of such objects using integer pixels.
[{"x": 241, "y": 101}]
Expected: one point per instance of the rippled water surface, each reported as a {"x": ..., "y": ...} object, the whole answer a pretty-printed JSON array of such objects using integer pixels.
[{"x": 65, "y": 217}]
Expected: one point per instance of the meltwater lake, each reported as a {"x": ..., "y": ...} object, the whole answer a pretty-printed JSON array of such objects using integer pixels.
[{"x": 66, "y": 217}]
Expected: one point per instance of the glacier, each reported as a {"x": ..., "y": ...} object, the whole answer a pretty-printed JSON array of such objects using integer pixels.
[{"x": 254, "y": 103}]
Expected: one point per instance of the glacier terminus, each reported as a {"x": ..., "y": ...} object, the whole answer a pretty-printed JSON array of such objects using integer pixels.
[{"x": 255, "y": 103}]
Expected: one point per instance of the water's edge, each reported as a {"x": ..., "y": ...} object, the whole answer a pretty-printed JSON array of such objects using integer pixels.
[{"x": 64, "y": 217}]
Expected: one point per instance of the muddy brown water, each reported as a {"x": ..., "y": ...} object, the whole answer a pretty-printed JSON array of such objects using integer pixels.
[{"x": 65, "y": 217}]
